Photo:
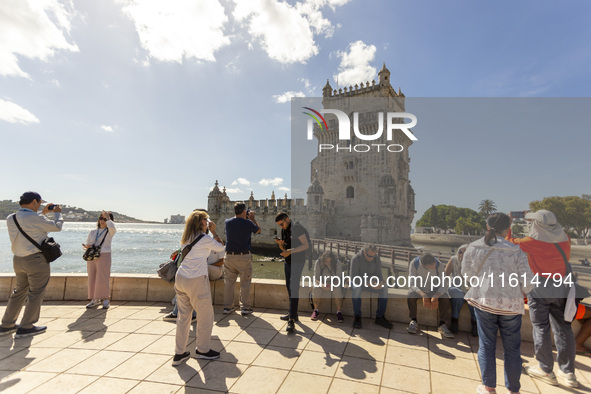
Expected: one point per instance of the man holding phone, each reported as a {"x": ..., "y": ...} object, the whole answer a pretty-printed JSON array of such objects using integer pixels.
[
  {"x": 30, "y": 266},
  {"x": 294, "y": 241},
  {"x": 238, "y": 259}
]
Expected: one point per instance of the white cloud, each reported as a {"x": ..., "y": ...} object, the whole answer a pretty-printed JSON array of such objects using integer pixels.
[
  {"x": 55, "y": 82},
  {"x": 233, "y": 191},
  {"x": 14, "y": 113},
  {"x": 274, "y": 181},
  {"x": 283, "y": 189},
  {"x": 182, "y": 29},
  {"x": 241, "y": 181},
  {"x": 286, "y": 97},
  {"x": 32, "y": 29},
  {"x": 107, "y": 128},
  {"x": 355, "y": 67},
  {"x": 286, "y": 32}
]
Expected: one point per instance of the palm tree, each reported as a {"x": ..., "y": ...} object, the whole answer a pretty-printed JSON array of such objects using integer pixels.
[{"x": 487, "y": 207}]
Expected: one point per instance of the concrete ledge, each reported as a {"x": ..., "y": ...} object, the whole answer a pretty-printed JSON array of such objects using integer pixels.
[{"x": 265, "y": 293}]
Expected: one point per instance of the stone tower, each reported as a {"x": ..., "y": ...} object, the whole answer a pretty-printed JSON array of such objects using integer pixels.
[{"x": 369, "y": 193}]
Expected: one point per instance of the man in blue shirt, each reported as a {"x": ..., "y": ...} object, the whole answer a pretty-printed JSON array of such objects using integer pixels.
[
  {"x": 238, "y": 258},
  {"x": 30, "y": 266}
]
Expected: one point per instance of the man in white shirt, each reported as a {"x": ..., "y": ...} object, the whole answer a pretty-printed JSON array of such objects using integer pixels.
[{"x": 30, "y": 266}]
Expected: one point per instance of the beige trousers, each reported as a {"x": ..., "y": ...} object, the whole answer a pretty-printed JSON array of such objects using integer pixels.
[
  {"x": 237, "y": 264},
  {"x": 32, "y": 277},
  {"x": 193, "y": 294},
  {"x": 99, "y": 274},
  {"x": 215, "y": 272}
]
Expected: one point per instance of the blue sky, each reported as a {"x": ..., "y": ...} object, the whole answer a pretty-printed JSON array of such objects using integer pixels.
[{"x": 139, "y": 106}]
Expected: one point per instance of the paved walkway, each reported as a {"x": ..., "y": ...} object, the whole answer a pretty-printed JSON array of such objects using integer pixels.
[{"x": 128, "y": 348}]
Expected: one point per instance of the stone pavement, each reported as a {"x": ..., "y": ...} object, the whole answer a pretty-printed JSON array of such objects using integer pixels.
[{"x": 128, "y": 348}]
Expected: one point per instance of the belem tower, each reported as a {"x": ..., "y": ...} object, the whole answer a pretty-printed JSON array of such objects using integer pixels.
[{"x": 359, "y": 196}]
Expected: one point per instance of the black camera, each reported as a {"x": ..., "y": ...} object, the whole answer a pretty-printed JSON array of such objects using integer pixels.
[{"x": 51, "y": 207}]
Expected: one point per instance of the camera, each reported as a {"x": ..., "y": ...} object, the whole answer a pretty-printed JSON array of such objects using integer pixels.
[
  {"x": 518, "y": 214},
  {"x": 247, "y": 212},
  {"x": 51, "y": 207}
]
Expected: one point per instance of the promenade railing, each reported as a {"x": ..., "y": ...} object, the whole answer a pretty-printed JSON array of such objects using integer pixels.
[{"x": 395, "y": 259}]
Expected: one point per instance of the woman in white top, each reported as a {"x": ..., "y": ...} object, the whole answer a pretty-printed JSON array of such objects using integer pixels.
[
  {"x": 499, "y": 276},
  {"x": 192, "y": 288},
  {"x": 99, "y": 270}
]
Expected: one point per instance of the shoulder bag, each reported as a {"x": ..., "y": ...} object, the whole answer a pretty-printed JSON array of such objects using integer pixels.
[
  {"x": 94, "y": 252},
  {"x": 167, "y": 270},
  {"x": 50, "y": 249},
  {"x": 575, "y": 293}
]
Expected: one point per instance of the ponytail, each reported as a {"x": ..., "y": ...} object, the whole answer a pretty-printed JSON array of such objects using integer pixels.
[
  {"x": 497, "y": 222},
  {"x": 490, "y": 237}
]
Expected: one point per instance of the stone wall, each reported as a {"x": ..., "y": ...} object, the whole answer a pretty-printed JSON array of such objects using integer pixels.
[{"x": 266, "y": 293}]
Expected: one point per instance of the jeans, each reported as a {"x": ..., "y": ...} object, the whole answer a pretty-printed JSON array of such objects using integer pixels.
[
  {"x": 293, "y": 274},
  {"x": 382, "y": 299},
  {"x": 457, "y": 301},
  {"x": 510, "y": 327},
  {"x": 546, "y": 314}
]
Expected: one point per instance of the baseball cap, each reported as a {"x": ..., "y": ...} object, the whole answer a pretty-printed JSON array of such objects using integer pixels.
[
  {"x": 28, "y": 198},
  {"x": 543, "y": 217}
]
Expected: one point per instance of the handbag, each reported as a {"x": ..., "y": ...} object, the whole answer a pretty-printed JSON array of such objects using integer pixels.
[
  {"x": 168, "y": 269},
  {"x": 49, "y": 248},
  {"x": 94, "y": 252},
  {"x": 575, "y": 293}
]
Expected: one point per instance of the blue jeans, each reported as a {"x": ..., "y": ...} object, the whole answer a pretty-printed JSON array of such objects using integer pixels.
[
  {"x": 510, "y": 327},
  {"x": 175, "y": 310},
  {"x": 457, "y": 301},
  {"x": 382, "y": 299}
]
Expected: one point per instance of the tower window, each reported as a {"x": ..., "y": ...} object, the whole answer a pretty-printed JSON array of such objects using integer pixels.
[{"x": 350, "y": 192}]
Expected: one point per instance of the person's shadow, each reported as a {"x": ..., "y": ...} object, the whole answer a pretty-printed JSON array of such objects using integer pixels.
[
  {"x": 91, "y": 320},
  {"x": 212, "y": 374},
  {"x": 16, "y": 358}
]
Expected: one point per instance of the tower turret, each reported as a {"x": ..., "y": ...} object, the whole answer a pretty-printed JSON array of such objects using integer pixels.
[{"x": 384, "y": 76}]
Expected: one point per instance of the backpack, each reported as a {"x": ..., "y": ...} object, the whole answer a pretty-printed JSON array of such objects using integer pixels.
[{"x": 416, "y": 263}]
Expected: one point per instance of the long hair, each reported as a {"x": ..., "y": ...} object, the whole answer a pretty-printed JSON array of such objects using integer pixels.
[
  {"x": 193, "y": 226},
  {"x": 496, "y": 223},
  {"x": 333, "y": 261}
]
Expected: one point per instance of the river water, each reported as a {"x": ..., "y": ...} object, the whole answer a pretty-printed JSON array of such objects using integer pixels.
[{"x": 136, "y": 248}]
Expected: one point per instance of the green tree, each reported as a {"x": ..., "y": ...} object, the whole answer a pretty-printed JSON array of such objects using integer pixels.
[
  {"x": 487, "y": 207},
  {"x": 572, "y": 212},
  {"x": 447, "y": 216}
]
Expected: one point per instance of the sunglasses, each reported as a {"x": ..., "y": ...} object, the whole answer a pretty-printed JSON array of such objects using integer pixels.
[{"x": 103, "y": 219}]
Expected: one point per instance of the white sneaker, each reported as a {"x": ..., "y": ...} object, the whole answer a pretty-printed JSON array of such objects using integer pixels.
[
  {"x": 93, "y": 304},
  {"x": 227, "y": 311},
  {"x": 444, "y": 331},
  {"x": 413, "y": 327},
  {"x": 481, "y": 389},
  {"x": 537, "y": 372},
  {"x": 106, "y": 304},
  {"x": 567, "y": 379}
]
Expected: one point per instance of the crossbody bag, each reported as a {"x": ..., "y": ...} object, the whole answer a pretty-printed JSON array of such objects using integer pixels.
[{"x": 50, "y": 249}]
